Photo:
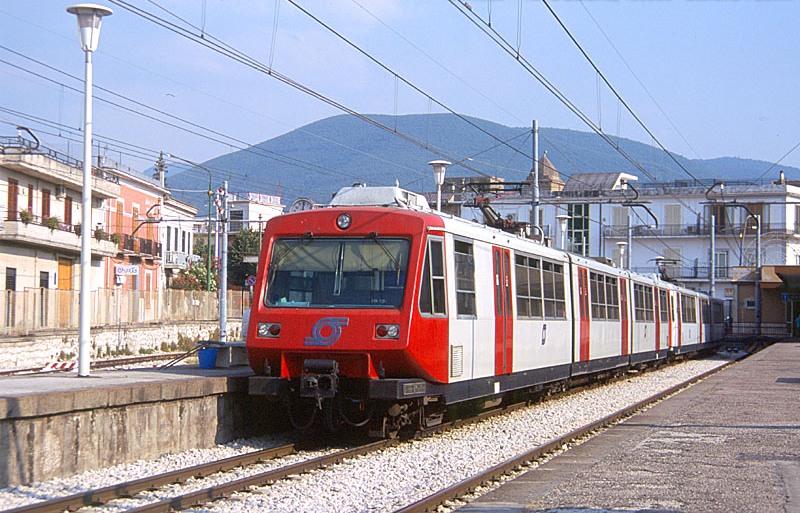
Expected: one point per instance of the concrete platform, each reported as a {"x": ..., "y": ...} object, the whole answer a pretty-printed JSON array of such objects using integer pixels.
[
  {"x": 729, "y": 443},
  {"x": 54, "y": 425}
]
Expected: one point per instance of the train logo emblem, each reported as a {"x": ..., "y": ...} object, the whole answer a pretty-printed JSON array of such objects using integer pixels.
[{"x": 319, "y": 337}]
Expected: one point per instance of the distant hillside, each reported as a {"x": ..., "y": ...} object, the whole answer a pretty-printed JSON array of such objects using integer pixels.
[{"x": 316, "y": 160}]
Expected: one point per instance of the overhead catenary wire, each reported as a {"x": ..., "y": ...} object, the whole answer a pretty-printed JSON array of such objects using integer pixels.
[
  {"x": 507, "y": 47},
  {"x": 218, "y": 46}
]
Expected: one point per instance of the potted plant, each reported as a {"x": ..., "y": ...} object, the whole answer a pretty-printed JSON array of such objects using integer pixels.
[
  {"x": 77, "y": 229},
  {"x": 26, "y": 216},
  {"x": 100, "y": 234},
  {"x": 52, "y": 222},
  {"x": 116, "y": 238}
]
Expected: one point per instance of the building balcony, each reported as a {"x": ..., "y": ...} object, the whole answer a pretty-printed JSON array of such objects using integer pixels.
[
  {"x": 137, "y": 246},
  {"x": 63, "y": 237},
  {"x": 61, "y": 171},
  {"x": 178, "y": 260},
  {"x": 687, "y": 273},
  {"x": 695, "y": 230}
]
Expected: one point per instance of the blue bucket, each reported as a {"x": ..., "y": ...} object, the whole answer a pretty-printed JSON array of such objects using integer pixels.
[{"x": 207, "y": 358}]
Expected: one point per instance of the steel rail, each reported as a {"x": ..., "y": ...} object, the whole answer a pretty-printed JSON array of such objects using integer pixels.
[
  {"x": 432, "y": 502},
  {"x": 97, "y": 364},
  {"x": 128, "y": 489},
  {"x": 222, "y": 490}
]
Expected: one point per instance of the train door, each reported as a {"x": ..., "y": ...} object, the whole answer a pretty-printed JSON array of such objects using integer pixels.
[
  {"x": 623, "y": 314},
  {"x": 504, "y": 322},
  {"x": 702, "y": 306},
  {"x": 583, "y": 305},
  {"x": 657, "y": 308},
  {"x": 678, "y": 313}
]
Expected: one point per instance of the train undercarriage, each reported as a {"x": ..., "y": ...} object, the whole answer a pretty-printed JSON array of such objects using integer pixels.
[{"x": 324, "y": 401}]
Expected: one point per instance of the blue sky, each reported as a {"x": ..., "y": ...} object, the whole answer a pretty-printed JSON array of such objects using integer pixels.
[{"x": 708, "y": 79}]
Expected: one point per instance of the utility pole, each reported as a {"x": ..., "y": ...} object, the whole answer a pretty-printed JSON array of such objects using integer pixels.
[
  {"x": 758, "y": 271},
  {"x": 223, "y": 288},
  {"x": 712, "y": 274},
  {"x": 535, "y": 185},
  {"x": 161, "y": 169}
]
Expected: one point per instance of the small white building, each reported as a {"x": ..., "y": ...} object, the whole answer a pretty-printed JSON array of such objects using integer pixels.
[
  {"x": 177, "y": 235},
  {"x": 252, "y": 210}
]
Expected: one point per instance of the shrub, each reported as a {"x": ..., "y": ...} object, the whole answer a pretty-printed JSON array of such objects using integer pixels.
[{"x": 52, "y": 222}]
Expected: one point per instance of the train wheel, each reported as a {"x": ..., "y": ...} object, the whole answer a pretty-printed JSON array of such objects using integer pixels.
[
  {"x": 302, "y": 413},
  {"x": 355, "y": 412},
  {"x": 383, "y": 428}
]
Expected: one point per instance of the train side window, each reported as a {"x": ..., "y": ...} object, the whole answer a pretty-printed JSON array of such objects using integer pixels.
[
  {"x": 612, "y": 296},
  {"x": 465, "y": 278},
  {"x": 688, "y": 308},
  {"x": 432, "y": 294},
  {"x": 663, "y": 305},
  {"x": 598, "y": 290},
  {"x": 643, "y": 302},
  {"x": 528, "y": 271},
  {"x": 605, "y": 296},
  {"x": 553, "y": 289}
]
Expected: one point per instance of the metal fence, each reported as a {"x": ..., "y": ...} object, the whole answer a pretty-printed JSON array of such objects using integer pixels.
[
  {"x": 37, "y": 309},
  {"x": 766, "y": 329}
]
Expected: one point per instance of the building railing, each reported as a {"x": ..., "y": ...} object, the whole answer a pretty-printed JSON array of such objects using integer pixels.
[
  {"x": 767, "y": 329},
  {"x": 178, "y": 258},
  {"x": 694, "y": 230},
  {"x": 16, "y": 215},
  {"x": 40, "y": 310},
  {"x": 141, "y": 245},
  {"x": 677, "y": 272}
]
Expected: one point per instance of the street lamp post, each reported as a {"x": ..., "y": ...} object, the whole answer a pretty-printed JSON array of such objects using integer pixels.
[
  {"x": 622, "y": 245},
  {"x": 439, "y": 167},
  {"x": 89, "y": 19},
  {"x": 562, "y": 222},
  {"x": 630, "y": 240}
]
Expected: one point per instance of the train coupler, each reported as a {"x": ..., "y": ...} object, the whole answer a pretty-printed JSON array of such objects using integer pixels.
[{"x": 319, "y": 380}]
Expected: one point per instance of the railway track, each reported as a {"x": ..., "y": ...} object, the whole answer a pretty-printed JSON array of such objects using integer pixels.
[
  {"x": 469, "y": 485},
  {"x": 225, "y": 489},
  {"x": 97, "y": 364},
  {"x": 131, "y": 488}
]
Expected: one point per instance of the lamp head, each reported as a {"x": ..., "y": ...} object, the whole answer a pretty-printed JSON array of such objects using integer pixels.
[
  {"x": 439, "y": 167},
  {"x": 89, "y": 18}
]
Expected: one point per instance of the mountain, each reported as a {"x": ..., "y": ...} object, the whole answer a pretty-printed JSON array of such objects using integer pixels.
[{"x": 318, "y": 159}]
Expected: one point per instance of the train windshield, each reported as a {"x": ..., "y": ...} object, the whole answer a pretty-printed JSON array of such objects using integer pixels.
[{"x": 337, "y": 273}]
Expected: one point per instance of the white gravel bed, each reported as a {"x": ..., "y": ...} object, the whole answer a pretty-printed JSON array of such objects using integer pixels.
[{"x": 383, "y": 481}]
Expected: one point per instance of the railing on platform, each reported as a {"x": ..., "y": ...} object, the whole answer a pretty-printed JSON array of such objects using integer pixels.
[
  {"x": 37, "y": 309},
  {"x": 767, "y": 329}
]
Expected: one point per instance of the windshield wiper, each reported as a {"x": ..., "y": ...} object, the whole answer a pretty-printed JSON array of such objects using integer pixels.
[
  {"x": 274, "y": 266},
  {"x": 395, "y": 261}
]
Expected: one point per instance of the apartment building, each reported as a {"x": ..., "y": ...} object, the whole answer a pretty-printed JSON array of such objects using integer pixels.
[
  {"x": 133, "y": 217},
  {"x": 730, "y": 238}
]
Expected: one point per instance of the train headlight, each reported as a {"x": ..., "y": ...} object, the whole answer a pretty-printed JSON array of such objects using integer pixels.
[
  {"x": 344, "y": 221},
  {"x": 391, "y": 331},
  {"x": 269, "y": 329}
]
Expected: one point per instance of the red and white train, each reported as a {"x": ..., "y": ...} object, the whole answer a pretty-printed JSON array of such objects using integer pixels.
[{"x": 377, "y": 311}]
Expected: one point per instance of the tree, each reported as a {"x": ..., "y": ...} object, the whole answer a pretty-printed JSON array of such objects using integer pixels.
[
  {"x": 245, "y": 242},
  {"x": 194, "y": 277}
]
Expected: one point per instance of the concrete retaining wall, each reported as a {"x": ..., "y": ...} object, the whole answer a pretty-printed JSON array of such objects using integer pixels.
[
  {"x": 59, "y": 433},
  {"x": 36, "y": 350}
]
